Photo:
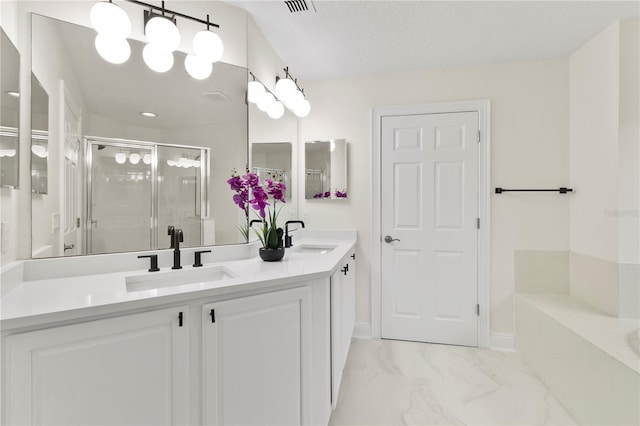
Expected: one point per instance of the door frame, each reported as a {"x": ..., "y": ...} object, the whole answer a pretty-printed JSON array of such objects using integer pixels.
[{"x": 483, "y": 108}]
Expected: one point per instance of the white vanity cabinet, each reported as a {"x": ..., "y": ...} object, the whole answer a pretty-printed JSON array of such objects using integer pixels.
[
  {"x": 257, "y": 359},
  {"x": 343, "y": 319},
  {"x": 127, "y": 370}
]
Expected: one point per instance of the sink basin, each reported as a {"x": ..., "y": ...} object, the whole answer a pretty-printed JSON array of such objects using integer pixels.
[
  {"x": 313, "y": 249},
  {"x": 171, "y": 278}
]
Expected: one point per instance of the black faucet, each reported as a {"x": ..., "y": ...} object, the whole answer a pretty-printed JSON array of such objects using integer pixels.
[
  {"x": 171, "y": 232},
  {"x": 178, "y": 238},
  {"x": 288, "y": 241}
]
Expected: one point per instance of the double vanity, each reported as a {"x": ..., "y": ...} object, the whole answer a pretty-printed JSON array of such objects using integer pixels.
[{"x": 101, "y": 339}]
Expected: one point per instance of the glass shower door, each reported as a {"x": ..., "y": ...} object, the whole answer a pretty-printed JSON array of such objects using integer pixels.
[
  {"x": 120, "y": 209},
  {"x": 180, "y": 194}
]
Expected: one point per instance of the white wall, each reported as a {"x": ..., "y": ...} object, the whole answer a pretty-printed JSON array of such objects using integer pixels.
[{"x": 529, "y": 146}]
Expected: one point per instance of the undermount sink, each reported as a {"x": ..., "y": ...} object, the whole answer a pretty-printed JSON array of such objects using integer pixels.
[
  {"x": 171, "y": 278},
  {"x": 313, "y": 248}
]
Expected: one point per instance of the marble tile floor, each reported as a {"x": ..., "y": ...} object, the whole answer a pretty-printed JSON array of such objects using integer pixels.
[{"x": 388, "y": 382}]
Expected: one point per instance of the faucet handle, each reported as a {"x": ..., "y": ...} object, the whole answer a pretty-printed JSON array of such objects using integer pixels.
[
  {"x": 180, "y": 235},
  {"x": 154, "y": 262},
  {"x": 197, "y": 258}
]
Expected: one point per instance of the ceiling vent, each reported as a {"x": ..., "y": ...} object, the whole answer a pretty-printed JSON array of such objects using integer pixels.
[{"x": 297, "y": 6}]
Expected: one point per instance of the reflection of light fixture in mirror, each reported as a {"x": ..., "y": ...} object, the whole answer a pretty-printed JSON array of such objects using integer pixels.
[
  {"x": 110, "y": 20},
  {"x": 255, "y": 91},
  {"x": 157, "y": 60},
  {"x": 39, "y": 150},
  {"x": 197, "y": 67},
  {"x": 146, "y": 159},
  {"x": 171, "y": 163},
  {"x": 148, "y": 114},
  {"x": 134, "y": 158},
  {"x": 13, "y": 94},
  {"x": 266, "y": 101},
  {"x": 121, "y": 157},
  {"x": 161, "y": 32},
  {"x": 7, "y": 152},
  {"x": 115, "y": 51}
]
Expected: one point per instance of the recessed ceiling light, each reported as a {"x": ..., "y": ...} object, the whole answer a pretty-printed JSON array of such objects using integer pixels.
[
  {"x": 13, "y": 94},
  {"x": 148, "y": 114}
]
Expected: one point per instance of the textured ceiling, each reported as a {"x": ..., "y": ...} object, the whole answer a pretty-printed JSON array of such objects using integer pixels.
[{"x": 347, "y": 38}]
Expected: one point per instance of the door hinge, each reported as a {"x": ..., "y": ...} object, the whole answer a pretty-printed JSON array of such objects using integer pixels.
[
  {"x": 213, "y": 315},
  {"x": 180, "y": 319},
  {"x": 77, "y": 222},
  {"x": 478, "y": 136},
  {"x": 478, "y": 223},
  {"x": 478, "y": 309}
]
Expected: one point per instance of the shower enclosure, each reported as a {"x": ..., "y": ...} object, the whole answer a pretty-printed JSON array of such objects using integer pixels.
[{"x": 135, "y": 190}]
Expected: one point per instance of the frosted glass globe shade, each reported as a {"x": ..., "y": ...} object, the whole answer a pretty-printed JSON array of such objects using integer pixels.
[
  {"x": 255, "y": 92},
  {"x": 162, "y": 33},
  {"x": 197, "y": 67},
  {"x": 113, "y": 50},
  {"x": 208, "y": 46},
  {"x": 146, "y": 159},
  {"x": 39, "y": 150},
  {"x": 295, "y": 99},
  {"x": 157, "y": 60},
  {"x": 303, "y": 109},
  {"x": 276, "y": 110},
  {"x": 110, "y": 20},
  {"x": 285, "y": 87},
  {"x": 7, "y": 152},
  {"x": 120, "y": 158},
  {"x": 134, "y": 158},
  {"x": 171, "y": 163},
  {"x": 266, "y": 101}
]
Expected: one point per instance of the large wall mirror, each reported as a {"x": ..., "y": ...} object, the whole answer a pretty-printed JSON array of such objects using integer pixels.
[
  {"x": 325, "y": 169},
  {"x": 10, "y": 112},
  {"x": 131, "y": 151}
]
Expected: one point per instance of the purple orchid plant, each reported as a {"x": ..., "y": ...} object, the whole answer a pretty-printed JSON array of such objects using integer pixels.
[{"x": 250, "y": 195}]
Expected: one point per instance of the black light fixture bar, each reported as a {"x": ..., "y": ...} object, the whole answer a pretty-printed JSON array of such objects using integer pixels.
[
  {"x": 561, "y": 190},
  {"x": 288, "y": 75},
  {"x": 163, "y": 10}
]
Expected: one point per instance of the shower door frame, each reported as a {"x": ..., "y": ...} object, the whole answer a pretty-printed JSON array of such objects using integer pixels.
[{"x": 89, "y": 141}]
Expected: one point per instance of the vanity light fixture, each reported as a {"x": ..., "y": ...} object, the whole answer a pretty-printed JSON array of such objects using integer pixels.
[
  {"x": 146, "y": 159},
  {"x": 39, "y": 150},
  {"x": 13, "y": 94},
  {"x": 134, "y": 158},
  {"x": 113, "y": 27},
  {"x": 292, "y": 95},
  {"x": 148, "y": 114},
  {"x": 120, "y": 157}
]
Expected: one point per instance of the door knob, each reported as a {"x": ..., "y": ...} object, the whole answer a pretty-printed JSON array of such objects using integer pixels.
[
  {"x": 388, "y": 239},
  {"x": 69, "y": 247}
]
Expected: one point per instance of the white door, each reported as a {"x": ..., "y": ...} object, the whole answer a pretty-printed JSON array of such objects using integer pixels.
[
  {"x": 257, "y": 359},
  {"x": 129, "y": 370},
  {"x": 429, "y": 227}
]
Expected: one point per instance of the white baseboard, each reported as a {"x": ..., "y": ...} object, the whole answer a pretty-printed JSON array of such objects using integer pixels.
[
  {"x": 362, "y": 330},
  {"x": 503, "y": 342}
]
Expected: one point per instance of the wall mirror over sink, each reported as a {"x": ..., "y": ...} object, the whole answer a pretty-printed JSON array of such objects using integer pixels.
[
  {"x": 326, "y": 169},
  {"x": 160, "y": 144},
  {"x": 10, "y": 113}
]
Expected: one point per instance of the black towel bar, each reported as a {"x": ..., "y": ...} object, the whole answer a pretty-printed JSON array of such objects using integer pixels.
[{"x": 562, "y": 190}]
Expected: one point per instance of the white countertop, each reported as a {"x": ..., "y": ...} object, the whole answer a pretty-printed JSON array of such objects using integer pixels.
[{"x": 45, "y": 300}]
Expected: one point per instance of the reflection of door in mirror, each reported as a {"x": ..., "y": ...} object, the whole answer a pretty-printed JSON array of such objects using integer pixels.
[
  {"x": 136, "y": 190},
  {"x": 10, "y": 112},
  {"x": 39, "y": 137}
]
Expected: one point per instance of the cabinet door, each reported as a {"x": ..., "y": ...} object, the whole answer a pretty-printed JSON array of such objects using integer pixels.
[
  {"x": 129, "y": 370},
  {"x": 257, "y": 359},
  {"x": 343, "y": 315}
]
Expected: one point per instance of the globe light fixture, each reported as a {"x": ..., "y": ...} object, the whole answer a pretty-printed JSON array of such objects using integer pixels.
[
  {"x": 285, "y": 88},
  {"x": 303, "y": 109},
  {"x": 255, "y": 92},
  {"x": 197, "y": 67},
  {"x": 162, "y": 33},
  {"x": 158, "y": 60},
  {"x": 266, "y": 102},
  {"x": 134, "y": 158},
  {"x": 115, "y": 51},
  {"x": 276, "y": 110},
  {"x": 110, "y": 20},
  {"x": 120, "y": 158},
  {"x": 146, "y": 159},
  {"x": 39, "y": 150},
  {"x": 208, "y": 45}
]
